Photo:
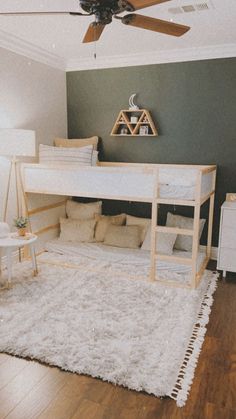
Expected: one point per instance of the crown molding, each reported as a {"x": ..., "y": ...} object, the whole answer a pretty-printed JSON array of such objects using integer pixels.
[
  {"x": 154, "y": 57},
  {"x": 16, "y": 44},
  {"x": 19, "y": 46}
]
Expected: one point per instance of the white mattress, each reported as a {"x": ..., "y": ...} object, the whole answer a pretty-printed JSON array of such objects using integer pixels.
[
  {"x": 98, "y": 256},
  {"x": 177, "y": 192}
]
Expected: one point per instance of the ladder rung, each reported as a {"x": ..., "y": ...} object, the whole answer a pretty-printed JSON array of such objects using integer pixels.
[
  {"x": 183, "y": 202},
  {"x": 171, "y": 258},
  {"x": 175, "y": 230}
]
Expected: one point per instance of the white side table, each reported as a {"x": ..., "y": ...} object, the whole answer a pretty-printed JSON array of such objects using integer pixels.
[{"x": 13, "y": 242}]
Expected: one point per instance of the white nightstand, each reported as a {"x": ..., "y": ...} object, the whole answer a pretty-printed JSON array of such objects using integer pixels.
[
  {"x": 226, "y": 260},
  {"x": 13, "y": 242}
]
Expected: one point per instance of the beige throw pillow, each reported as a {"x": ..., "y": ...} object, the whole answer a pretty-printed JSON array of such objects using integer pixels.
[
  {"x": 80, "y": 211},
  {"x": 123, "y": 236},
  {"x": 77, "y": 230},
  {"x": 103, "y": 222},
  {"x": 78, "y": 142},
  {"x": 183, "y": 242},
  {"x": 143, "y": 223}
]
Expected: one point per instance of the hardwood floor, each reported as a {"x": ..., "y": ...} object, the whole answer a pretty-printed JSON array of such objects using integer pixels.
[{"x": 29, "y": 389}]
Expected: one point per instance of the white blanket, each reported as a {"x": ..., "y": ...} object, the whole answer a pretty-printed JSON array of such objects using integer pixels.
[{"x": 99, "y": 257}]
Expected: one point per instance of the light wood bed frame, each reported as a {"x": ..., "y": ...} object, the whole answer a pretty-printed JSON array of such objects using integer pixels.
[{"x": 155, "y": 200}]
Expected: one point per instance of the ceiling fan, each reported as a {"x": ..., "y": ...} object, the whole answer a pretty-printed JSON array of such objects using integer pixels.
[{"x": 105, "y": 10}]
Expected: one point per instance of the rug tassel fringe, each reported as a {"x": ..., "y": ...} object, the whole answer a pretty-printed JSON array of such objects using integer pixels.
[{"x": 186, "y": 374}]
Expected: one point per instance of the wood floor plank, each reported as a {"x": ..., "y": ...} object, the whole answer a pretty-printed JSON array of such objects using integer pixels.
[
  {"x": 18, "y": 388},
  {"x": 121, "y": 413},
  {"x": 128, "y": 398},
  {"x": 213, "y": 411},
  {"x": 89, "y": 410},
  {"x": 102, "y": 394},
  {"x": 67, "y": 400},
  {"x": 10, "y": 368},
  {"x": 40, "y": 396}
]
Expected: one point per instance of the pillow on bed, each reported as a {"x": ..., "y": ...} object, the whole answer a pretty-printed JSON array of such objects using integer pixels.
[
  {"x": 95, "y": 158},
  {"x": 183, "y": 242},
  {"x": 80, "y": 211},
  {"x": 103, "y": 222},
  {"x": 143, "y": 223},
  {"x": 77, "y": 230},
  {"x": 164, "y": 242},
  {"x": 80, "y": 142},
  {"x": 123, "y": 236},
  {"x": 66, "y": 156}
]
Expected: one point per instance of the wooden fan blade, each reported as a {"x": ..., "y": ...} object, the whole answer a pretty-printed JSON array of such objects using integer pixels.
[
  {"x": 94, "y": 32},
  {"x": 38, "y": 13},
  {"x": 153, "y": 24},
  {"x": 141, "y": 4}
]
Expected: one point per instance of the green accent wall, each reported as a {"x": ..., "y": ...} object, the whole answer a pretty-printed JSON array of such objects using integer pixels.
[{"x": 193, "y": 105}]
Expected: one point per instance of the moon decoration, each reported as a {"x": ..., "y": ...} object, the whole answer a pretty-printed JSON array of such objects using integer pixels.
[{"x": 131, "y": 102}]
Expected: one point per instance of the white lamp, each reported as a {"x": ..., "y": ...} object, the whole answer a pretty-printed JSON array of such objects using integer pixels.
[{"x": 15, "y": 143}]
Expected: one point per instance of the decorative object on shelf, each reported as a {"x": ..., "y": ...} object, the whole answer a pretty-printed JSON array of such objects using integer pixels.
[
  {"x": 134, "y": 122},
  {"x": 15, "y": 142},
  {"x": 4, "y": 230},
  {"x": 133, "y": 119},
  {"x": 231, "y": 197},
  {"x": 143, "y": 130},
  {"x": 21, "y": 224},
  {"x": 124, "y": 131},
  {"x": 132, "y": 105}
]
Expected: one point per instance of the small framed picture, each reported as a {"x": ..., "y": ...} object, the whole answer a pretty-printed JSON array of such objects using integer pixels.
[{"x": 143, "y": 130}]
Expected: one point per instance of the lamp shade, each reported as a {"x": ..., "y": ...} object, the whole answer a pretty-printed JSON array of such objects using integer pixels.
[{"x": 17, "y": 142}]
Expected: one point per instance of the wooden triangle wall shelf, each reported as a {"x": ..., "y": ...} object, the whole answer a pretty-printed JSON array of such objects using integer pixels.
[{"x": 134, "y": 122}]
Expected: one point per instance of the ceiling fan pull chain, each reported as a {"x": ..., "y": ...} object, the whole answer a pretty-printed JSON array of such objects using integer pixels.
[{"x": 95, "y": 47}]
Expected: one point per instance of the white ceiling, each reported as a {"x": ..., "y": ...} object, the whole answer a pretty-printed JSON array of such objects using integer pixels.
[{"x": 57, "y": 40}]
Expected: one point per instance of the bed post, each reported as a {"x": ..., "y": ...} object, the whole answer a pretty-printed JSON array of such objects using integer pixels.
[
  {"x": 154, "y": 225},
  {"x": 25, "y": 209},
  {"x": 196, "y": 224},
  {"x": 210, "y": 216}
]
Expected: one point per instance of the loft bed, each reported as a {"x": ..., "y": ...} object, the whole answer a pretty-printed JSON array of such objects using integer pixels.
[{"x": 158, "y": 184}]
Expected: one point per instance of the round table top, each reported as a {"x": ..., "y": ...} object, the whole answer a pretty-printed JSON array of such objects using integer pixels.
[{"x": 14, "y": 240}]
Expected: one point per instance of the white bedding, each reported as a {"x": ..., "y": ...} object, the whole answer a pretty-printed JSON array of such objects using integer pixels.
[
  {"x": 96, "y": 256},
  {"x": 177, "y": 192}
]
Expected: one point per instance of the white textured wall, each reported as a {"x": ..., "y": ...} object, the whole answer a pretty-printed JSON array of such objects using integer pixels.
[{"x": 32, "y": 96}]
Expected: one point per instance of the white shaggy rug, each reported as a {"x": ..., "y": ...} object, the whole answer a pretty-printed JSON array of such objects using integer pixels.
[{"x": 131, "y": 333}]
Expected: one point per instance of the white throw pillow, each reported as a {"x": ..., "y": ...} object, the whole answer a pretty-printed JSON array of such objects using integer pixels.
[
  {"x": 143, "y": 223},
  {"x": 80, "y": 211},
  {"x": 77, "y": 230},
  {"x": 164, "y": 242},
  {"x": 95, "y": 158},
  {"x": 183, "y": 242},
  {"x": 66, "y": 156},
  {"x": 123, "y": 236}
]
